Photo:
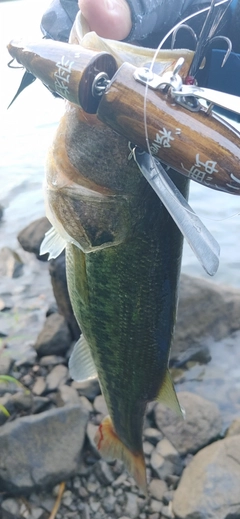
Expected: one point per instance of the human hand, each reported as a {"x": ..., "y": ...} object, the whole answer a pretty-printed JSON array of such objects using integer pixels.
[{"x": 108, "y": 18}]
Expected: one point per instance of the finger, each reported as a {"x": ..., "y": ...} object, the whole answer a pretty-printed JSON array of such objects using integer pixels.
[{"x": 108, "y": 18}]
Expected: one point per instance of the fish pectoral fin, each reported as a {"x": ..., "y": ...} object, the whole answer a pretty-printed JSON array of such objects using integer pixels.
[
  {"x": 81, "y": 365},
  {"x": 53, "y": 244},
  {"x": 167, "y": 395},
  {"x": 111, "y": 447}
]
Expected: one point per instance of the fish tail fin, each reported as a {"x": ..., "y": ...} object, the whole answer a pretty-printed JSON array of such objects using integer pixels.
[{"x": 111, "y": 447}]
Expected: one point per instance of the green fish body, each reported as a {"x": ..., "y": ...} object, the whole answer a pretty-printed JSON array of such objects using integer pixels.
[{"x": 123, "y": 257}]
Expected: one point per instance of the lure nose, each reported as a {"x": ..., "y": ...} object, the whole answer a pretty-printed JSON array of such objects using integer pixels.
[{"x": 66, "y": 69}]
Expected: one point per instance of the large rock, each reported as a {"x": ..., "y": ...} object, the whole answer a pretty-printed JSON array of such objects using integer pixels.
[
  {"x": 209, "y": 487},
  {"x": 57, "y": 270},
  {"x": 32, "y": 236},
  {"x": 41, "y": 450},
  {"x": 54, "y": 338},
  {"x": 202, "y": 423},
  {"x": 205, "y": 310}
]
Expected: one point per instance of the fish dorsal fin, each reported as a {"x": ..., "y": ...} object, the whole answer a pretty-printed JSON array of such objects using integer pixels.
[
  {"x": 53, "y": 244},
  {"x": 167, "y": 395},
  {"x": 81, "y": 365}
]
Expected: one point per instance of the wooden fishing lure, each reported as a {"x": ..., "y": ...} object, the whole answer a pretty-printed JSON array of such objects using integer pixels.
[{"x": 181, "y": 131}]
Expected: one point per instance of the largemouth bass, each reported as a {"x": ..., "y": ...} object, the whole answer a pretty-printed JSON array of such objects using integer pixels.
[{"x": 123, "y": 257}]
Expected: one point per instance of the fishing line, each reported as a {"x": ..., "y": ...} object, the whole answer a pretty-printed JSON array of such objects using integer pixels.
[
  {"x": 220, "y": 219},
  {"x": 179, "y": 24}
]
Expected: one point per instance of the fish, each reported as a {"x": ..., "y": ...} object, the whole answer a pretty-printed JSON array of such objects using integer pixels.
[{"x": 123, "y": 258}]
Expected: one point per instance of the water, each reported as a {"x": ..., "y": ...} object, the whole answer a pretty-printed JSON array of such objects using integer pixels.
[{"x": 26, "y": 130}]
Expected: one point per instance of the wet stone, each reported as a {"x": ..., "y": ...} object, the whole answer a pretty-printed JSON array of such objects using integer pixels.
[
  {"x": 167, "y": 512},
  {"x": 54, "y": 338},
  {"x": 51, "y": 360},
  {"x": 167, "y": 451},
  {"x": 109, "y": 503},
  {"x": 155, "y": 506},
  {"x": 103, "y": 473},
  {"x": 57, "y": 377},
  {"x": 209, "y": 486},
  {"x": 68, "y": 395},
  {"x": 94, "y": 505},
  {"x": 32, "y": 236},
  {"x": 172, "y": 481},
  {"x": 83, "y": 492},
  {"x": 161, "y": 467},
  {"x": 26, "y": 360},
  {"x": 11, "y": 265},
  {"x": 39, "y": 386},
  {"x": 118, "y": 467},
  {"x": 121, "y": 499},
  {"x": 92, "y": 487},
  {"x": 39, "y": 404},
  {"x": 91, "y": 432},
  {"x": 57, "y": 431},
  {"x": 152, "y": 435},
  {"x": 11, "y": 506},
  {"x": 67, "y": 498},
  {"x": 85, "y": 403},
  {"x": 131, "y": 507},
  {"x": 168, "y": 497},
  {"x": 4, "y": 307},
  {"x": 37, "y": 513},
  {"x": 119, "y": 481},
  {"x": 202, "y": 424},
  {"x": 5, "y": 363},
  {"x": 147, "y": 448},
  {"x": 89, "y": 388},
  {"x": 86, "y": 512},
  {"x": 234, "y": 428},
  {"x": 22, "y": 401},
  {"x": 157, "y": 489},
  {"x": 197, "y": 353},
  {"x": 100, "y": 405}
]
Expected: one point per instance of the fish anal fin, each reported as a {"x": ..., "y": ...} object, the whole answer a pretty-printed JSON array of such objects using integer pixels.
[
  {"x": 111, "y": 447},
  {"x": 167, "y": 396},
  {"x": 81, "y": 364}
]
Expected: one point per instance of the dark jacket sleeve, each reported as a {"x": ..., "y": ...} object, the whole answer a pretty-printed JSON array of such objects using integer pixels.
[{"x": 157, "y": 16}]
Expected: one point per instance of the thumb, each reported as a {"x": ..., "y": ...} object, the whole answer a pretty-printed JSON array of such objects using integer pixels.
[{"x": 108, "y": 18}]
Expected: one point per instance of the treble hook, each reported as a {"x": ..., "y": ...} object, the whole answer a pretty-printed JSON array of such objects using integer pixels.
[
  {"x": 206, "y": 37},
  {"x": 185, "y": 27},
  {"x": 229, "y": 46},
  {"x": 215, "y": 38}
]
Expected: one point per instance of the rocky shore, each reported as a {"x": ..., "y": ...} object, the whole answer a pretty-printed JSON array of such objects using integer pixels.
[{"x": 49, "y": 466}]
